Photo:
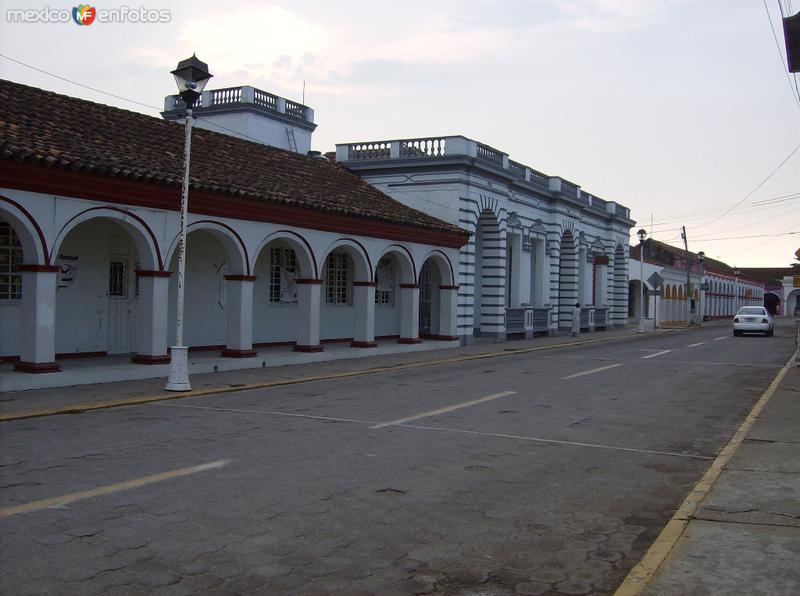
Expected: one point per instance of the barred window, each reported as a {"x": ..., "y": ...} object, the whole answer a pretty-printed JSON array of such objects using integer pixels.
[
  {"x": 337, "y": 279},
  {"x": 10, "y": 260},
  {"x": 282, "y": 276},
  {"x": 117, "y": 279},
  {"x": 384, "y": 294}
]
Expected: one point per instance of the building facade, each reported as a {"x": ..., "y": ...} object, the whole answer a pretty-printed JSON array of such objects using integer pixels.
[
  {"x": 283, "y": 248},
  {"x": 539, "y": 244},
  {"x": 715, "y": 291}
]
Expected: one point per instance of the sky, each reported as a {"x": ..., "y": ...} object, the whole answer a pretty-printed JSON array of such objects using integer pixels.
[{"x": 678, "y": 109}]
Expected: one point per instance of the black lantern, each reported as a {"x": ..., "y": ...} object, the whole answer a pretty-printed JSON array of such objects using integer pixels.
[
  {"x": 642, "y": 234},
  {"x": 191, "y": 76},
  {"x": 701, "y": 256}
]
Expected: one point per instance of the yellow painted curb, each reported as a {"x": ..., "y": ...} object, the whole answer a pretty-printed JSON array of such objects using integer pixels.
[
  {"x": 645, "y": 570},
  {"x": 145, "y": 399}
]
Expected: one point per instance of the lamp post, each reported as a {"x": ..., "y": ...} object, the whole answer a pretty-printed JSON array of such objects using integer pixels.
[
  {"x": 736, "y": 289},
  {"x": 642, "y": 235},
  {"x": 191, "y": 76},
  {"x": 701, "y": 257}
]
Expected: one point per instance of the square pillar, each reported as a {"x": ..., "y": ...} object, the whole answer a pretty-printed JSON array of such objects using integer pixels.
[
  {"x": 448, "y": 310},
  {"x": 38, "y": 346},
  {"x": 364, "y": 303},
  {"x": 151, "y": 318},
  {"x": 239, "y": 290},
  {"x": 409, "y": 314},
  {"x": 308, "y": 304}
]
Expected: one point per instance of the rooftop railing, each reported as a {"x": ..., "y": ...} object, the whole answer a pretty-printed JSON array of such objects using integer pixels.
[
  {"x": 243, "y": 96},
  {"x": 458, "y": 146}
]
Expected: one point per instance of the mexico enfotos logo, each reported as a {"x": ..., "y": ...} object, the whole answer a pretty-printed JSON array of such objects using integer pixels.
[{"x": 85, "y": 14}]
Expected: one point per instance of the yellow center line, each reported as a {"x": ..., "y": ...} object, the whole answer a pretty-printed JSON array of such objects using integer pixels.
[
  {"x": 445, "y": 410},
  {"x": 105, "y": 490},
  {"x": 645, "y": 570}
]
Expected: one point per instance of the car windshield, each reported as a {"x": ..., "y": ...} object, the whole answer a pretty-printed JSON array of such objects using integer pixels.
[{"x": 751, "y": 311}]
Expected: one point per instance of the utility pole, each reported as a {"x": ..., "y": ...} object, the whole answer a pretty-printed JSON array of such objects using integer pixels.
[{"x": 689, "y": 309}]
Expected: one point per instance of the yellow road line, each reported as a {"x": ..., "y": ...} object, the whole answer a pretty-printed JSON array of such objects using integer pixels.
[
  {"x": 105, "y": 490},
  {"x": 644, "y": 571},
  {"x": 445, "y": 409},
  {"x": 145, "y": 399}
]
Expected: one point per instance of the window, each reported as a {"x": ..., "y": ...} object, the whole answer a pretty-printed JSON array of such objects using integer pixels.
[
  {"x": 384, "y": 293},
  {"x": 282, "y": 275},
  {"x": 337, "y": 279},
  {"x": 117, "y": 279},
  {"x": 10, "y": 260}
]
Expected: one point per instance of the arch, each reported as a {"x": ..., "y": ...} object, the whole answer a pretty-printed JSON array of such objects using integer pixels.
[
  {"x": 772, "y": 302},
  {"x": 302, "y": 249},
  {"x": 230, "y": 239},
  {"x": 31, "y": 237},
  {"x": 141, "y": 234},
  {"x": 362, "y": 265},
  {"x": 408, "y": 270},
  {"x": 792, "y": 302},
  {"x": 680, "y": 292},
  {"x": 444, "y": 266}
]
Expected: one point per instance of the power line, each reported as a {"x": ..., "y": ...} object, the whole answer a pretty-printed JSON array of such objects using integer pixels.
[
  {"x": 205, "y": 122},
  {"x": 796, "y": 96},
  {"x": 78, "y": 84},
  {"x": 759, "y": 245},
  {"x": 745, "y": 237},
  {"x": 759, "y": 185}
]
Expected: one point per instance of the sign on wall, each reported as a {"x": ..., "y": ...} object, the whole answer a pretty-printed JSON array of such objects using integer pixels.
[{"x": 797, "y": 281}]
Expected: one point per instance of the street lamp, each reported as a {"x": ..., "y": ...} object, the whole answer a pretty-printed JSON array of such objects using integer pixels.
[
  {"x": 701, "y": 257},
  {"x": 642, "y": 235},
  {"x": 736, "y": 273},
  {"x": 191, "y": 76}
]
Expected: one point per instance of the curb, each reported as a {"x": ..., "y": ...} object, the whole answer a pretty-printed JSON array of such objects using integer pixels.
[
  {"x": 645, "y": 570},
  {"x": 104, "y": 405}
]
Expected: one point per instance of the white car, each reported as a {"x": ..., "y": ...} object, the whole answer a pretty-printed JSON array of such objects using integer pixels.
[{"x": 753, "y": 319}]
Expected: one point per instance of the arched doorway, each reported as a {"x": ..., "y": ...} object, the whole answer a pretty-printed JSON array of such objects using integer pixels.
[
  {"x": 772, "y": 303},
  {"x": 437, "y": 299},
  {"x": 396, "y": 300},
  {"x": 793, "y": 303},
  {"x": 99, "y": 255}
]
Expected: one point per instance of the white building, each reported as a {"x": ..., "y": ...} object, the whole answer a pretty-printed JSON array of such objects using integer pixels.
[
  {"x": 283, "y": 248},
  {"x": 717, "y": 289},
  {"x": 539, "y": 245}
]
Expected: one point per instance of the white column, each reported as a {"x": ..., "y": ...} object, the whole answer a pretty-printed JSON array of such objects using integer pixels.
[
  {"x": 308, "y": 304},
  {"x": 239, "y": 306},
  {"x": 151, "y": 318},
  {"x": 448, "y": 306},
  {"x": 38, "y": 342},
  {"x": 409, "y": 314},
  {"x": 364, "y": 303}
]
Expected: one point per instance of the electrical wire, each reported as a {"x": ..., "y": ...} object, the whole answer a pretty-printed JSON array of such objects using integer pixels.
[
  {"x": 139, "y": 103},
  {"x": 789, "y": 78}
]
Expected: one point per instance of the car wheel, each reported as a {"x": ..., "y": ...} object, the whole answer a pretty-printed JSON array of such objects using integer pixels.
[{"x": 736, "y": 333}]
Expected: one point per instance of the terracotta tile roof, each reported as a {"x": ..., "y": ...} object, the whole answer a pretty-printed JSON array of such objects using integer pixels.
[{"x": 57, "y": 131}]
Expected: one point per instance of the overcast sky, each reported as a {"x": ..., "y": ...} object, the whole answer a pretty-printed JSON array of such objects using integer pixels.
[{"x": 675, "y": 108}]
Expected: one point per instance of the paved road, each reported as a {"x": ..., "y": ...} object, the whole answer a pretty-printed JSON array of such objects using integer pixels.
[{"x": 543, "y": 473}]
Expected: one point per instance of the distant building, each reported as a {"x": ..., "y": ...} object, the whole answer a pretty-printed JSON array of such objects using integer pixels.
[
  {"x": 716, "y": 289},
  {"x": 781, "y": 287},
  {"x": 539, "y": 244}
]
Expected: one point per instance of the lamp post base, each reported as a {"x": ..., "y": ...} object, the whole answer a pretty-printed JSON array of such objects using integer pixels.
[{"x": 178, "y": 379}]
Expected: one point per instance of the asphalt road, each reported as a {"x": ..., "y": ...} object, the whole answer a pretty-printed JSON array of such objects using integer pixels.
[{"x": 548, "y": 472}]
